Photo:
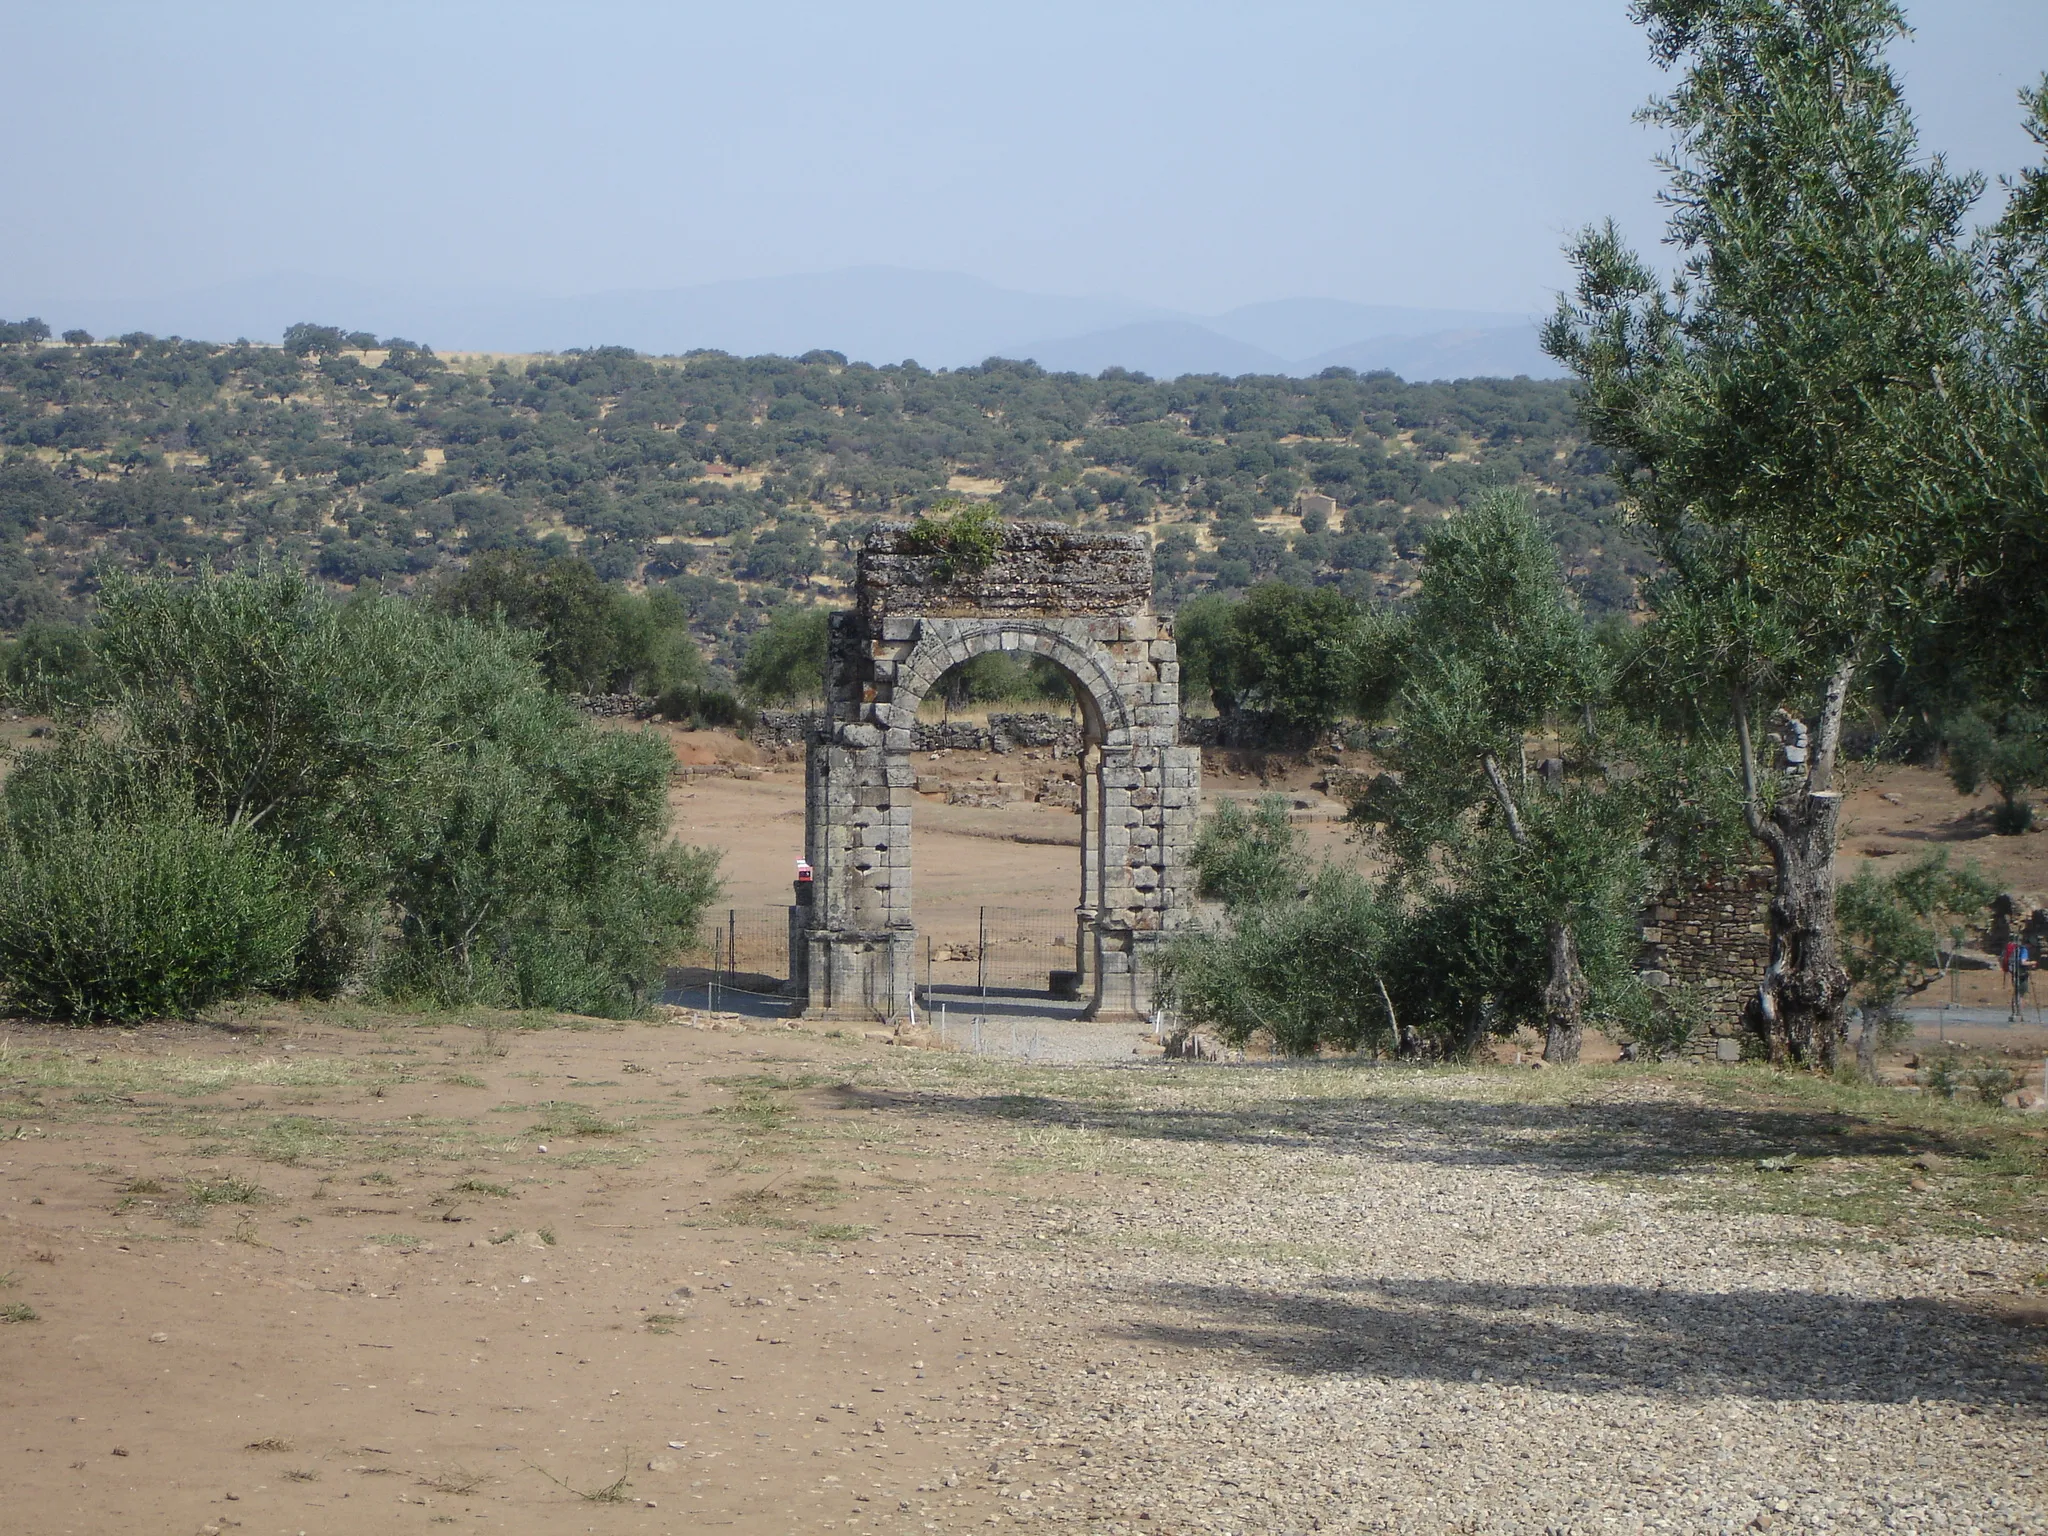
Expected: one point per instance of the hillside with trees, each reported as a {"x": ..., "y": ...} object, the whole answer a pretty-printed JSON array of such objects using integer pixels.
[{"x": 739, "y": 484}]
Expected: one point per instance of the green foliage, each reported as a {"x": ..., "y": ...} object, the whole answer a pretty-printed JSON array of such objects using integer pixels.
[
  {"x": 1499, "y": 667},
  {"x": 1306, "y": 975},
  {"x": 1670, "y": 1019},
  {"x": 962, "y": 538},
  {"x": 1476, "y": 958},
  {"x": 51, "y": 666},
  {"x": 1948, "y": 1072},
  {"x": 1786, "y": 392},
  {"x": 738, "y": 480},
  {"x": 1001, "y": 677},
  {"x": 1203, "y": 641},
  {"x": 1294, "y": 654},
  {"x": 1493, "y": 651},
  {"x": 2011, "y": 756},
  {"x": 1902, "y": 931},
  {"x": 785, "y": 661},
  {"x": 1790, "y": 413},
  {"x": 1493, "y": 607},
  {"x": 702, "y": 708},
  {"x": 132, "y": 908},
  {"x": 450, "y": 828},
  {"x": 594, "y": 638},
  {"x": 543, "y": 882},
  {"x": 1458, "y": 942},
  {"x": 1244, "y": 858}
]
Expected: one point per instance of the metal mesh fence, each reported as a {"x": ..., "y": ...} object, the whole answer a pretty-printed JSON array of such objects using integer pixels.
[
  {"x": 754, "y": 940},
  {"x": 1010, "y": 948},
  {"x": 1013, "y": 949}
]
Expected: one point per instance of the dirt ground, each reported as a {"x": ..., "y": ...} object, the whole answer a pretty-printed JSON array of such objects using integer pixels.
[
  {"x": 329, "y": 1271},
  {"x": 299, "y": 1275}
]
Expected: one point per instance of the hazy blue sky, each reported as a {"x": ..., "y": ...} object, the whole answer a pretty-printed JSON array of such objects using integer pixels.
[{"x": 1431, "y": 152}]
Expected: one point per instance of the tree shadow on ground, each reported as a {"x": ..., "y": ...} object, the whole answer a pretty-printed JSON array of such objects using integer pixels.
[
  {"x": 1598, "y": 1339},
  {"x": 1585, "y": 1137}
]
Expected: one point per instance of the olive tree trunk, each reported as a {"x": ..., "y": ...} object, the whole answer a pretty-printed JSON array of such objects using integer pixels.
[
  {"x": 1565, "y": 991},
  {"x": 1564, "y": 997},
  {"x": 1802, "y": 1000}
]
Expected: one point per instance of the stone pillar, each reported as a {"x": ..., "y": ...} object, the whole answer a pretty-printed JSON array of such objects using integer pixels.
[{"x": 1089, "y": 908}]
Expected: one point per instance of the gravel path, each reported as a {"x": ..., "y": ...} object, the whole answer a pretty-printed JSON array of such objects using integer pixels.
[{"x": 1312, "y": 1300}]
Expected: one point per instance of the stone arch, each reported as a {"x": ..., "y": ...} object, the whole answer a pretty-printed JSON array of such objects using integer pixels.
[
  {"x": 1083, "y": 601},
  {"x": 1106, "y": 715}
]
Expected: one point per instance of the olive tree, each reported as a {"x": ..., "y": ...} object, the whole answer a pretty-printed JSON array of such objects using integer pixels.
[
  {"x": 1768, "y": 410},
  {"x": 1499, "y": 668}
]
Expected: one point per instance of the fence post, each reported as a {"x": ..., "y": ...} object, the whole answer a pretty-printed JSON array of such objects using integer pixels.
[
  {"x": 981, "y": 953},
  {"x": 711, "y": 987},
  {"x": 732, "y": 943}
]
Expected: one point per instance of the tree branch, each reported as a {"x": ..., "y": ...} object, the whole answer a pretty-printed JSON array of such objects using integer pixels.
[
  {"x": 1507, "y": 801},
  {"x": 1821, "y": 776},
  {"x": 1752, "y": 811}
]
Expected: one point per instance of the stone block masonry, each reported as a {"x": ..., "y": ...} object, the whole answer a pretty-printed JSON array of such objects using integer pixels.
[
  {"x": 1043, "y": 570},
  {"x": 1081, "y": 600}
]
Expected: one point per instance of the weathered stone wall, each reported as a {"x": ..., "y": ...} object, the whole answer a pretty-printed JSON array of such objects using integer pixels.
[
  {"x": 614, "y": 706},
  {"x": 1044, "y": 570},
  {"x": 784, "y": 727},
  {"x": 1715, "y": 938}
]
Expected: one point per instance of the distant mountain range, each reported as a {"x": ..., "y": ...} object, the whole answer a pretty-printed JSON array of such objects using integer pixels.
[{"x": 871, "y": 314}]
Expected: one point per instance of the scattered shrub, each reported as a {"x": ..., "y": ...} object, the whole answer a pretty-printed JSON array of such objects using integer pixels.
[
  {"x": 370, "y": 794},
  {"x": 962, "y": 537},
  {"x": 1306, "y": 974},
  {"x": 154, "y": 912},
  {"x": 703, "y": 708},
  {"x": 1670, "y": 1020}
]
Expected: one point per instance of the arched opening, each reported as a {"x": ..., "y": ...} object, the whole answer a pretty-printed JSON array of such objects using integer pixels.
[
  {"x": 999, "y": 681},
  {"x": 1003, "y": 771},
  {"x": 1025, "y": 657}
]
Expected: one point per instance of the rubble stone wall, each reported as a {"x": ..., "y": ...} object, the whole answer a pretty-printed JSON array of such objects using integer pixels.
[
  {"x": 1714, "y": 937},
  {"x": 1046, "y": 570},
  {"x": 1003, "y": 733}
]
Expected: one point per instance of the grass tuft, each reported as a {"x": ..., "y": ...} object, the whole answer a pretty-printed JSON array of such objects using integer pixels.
[
  {"x": 613, "y": 1492},
  {"x": 561, "y": 1117},
  {"x": 226, "y": 1190},
  {"x": 457, "y": 1481}
]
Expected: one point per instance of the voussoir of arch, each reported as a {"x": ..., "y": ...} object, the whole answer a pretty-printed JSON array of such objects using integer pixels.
[{"x": 943, "y": 644}]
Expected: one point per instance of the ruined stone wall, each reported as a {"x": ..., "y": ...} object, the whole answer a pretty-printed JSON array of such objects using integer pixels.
[
  {"x": 1005, "y": 732},
  {"x": 1715, "y": 938}
]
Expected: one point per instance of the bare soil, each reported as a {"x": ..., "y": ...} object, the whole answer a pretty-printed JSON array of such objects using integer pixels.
[
  {"x": 335, "y": 1271},
  {"x": 291, "y": 1274}
]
